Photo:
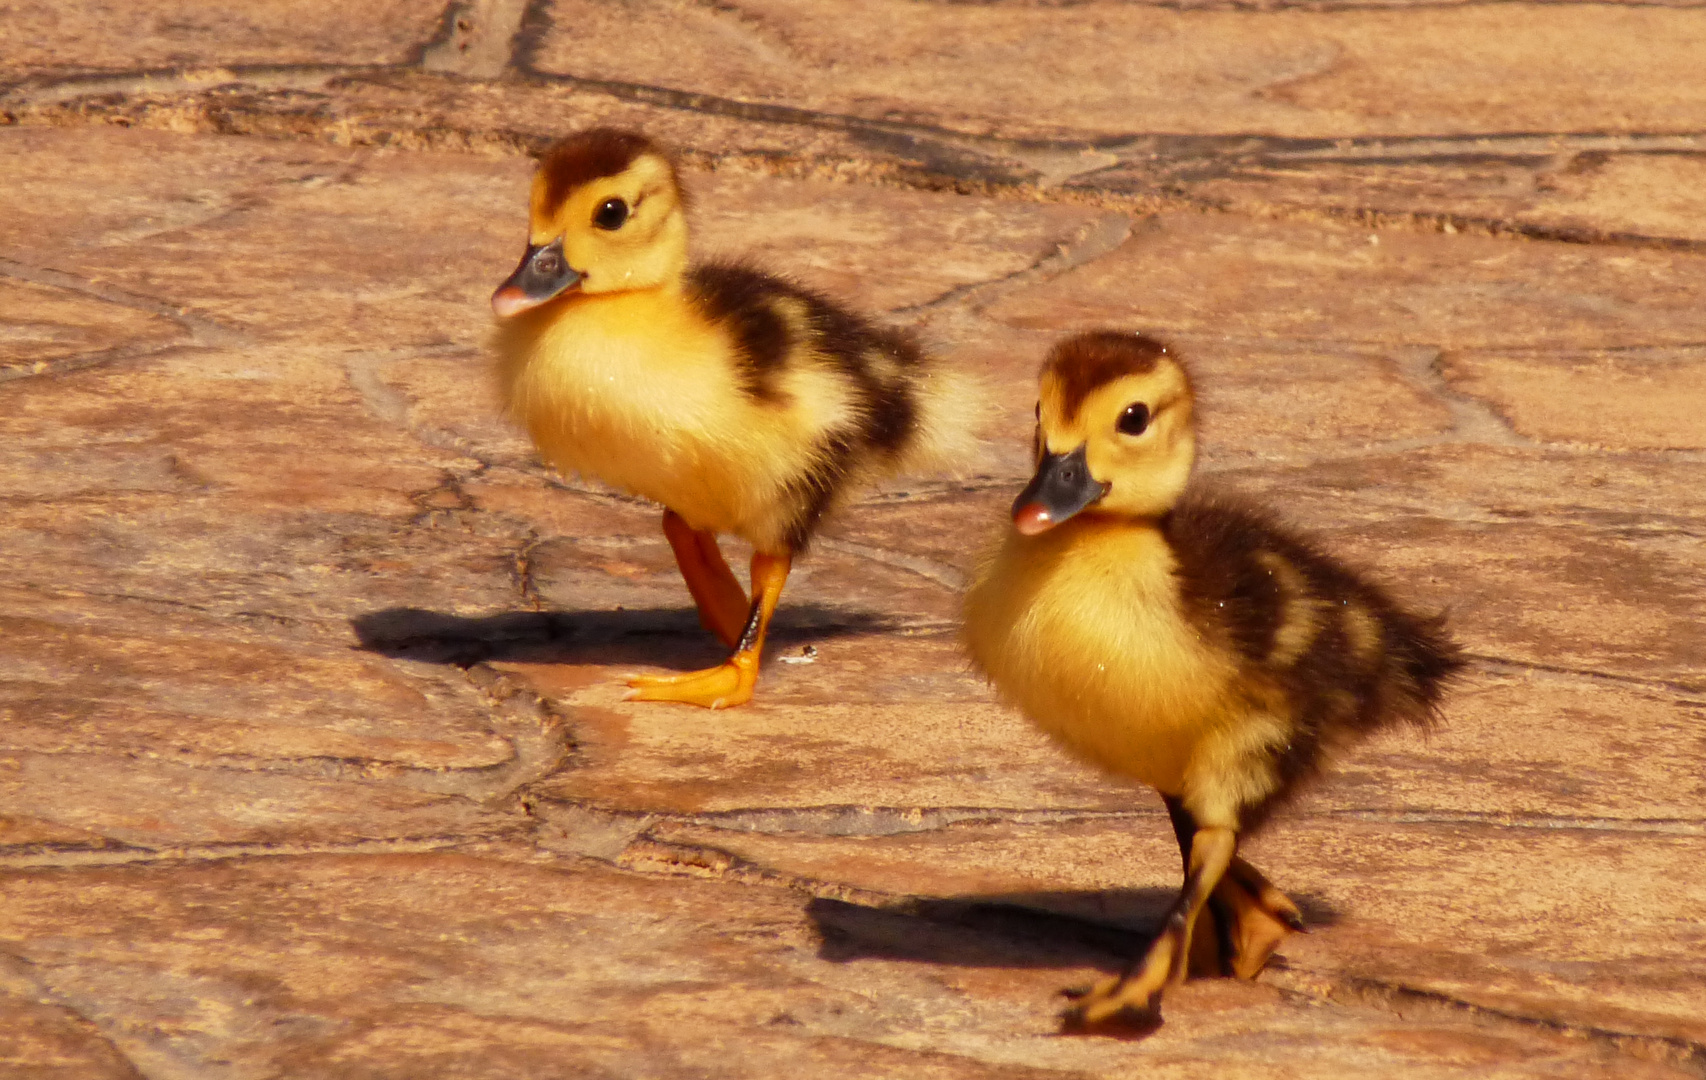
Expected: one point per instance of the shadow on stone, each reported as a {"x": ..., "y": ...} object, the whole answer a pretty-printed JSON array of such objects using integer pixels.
[
  {"x": 996, "y": 931},
  {"x": 1033, "y": 930},
  {"x": 668, "y": 637}
]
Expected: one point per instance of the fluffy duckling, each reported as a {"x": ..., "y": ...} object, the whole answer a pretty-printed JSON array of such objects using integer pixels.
[
  {"x": 740, "y": 401},
  {"x": 1184, "y": 642}
]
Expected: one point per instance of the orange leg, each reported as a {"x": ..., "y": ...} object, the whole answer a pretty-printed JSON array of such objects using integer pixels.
[
  {"x": 718, "y": 596},
  {"x": 1248, "y": 918},
  {"x": 1134, "y": 999},
  {"x": 731, "y": 682}
]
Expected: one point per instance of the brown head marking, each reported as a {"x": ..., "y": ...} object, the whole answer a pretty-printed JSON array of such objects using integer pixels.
[
  {"x": 1084, "y": 362},
  {"x": 589, "y": 155}
]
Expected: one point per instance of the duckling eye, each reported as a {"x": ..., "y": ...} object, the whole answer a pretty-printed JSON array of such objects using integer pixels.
[
  {"x": 611, "y": 215},
  {"x": 1134, "y": 420}
]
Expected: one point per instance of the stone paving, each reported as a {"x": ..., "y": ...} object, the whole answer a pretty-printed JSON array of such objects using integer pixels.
[{"x": 313, "y": 761}]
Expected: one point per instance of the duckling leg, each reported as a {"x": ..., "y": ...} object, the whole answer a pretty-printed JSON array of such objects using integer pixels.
[
  {"x": 731, "y": 682},
  {"x": 718, "y": 596},
  {"x": 1134, "y": 998},
  {"x": 1211, "y": 945},
  {"x": 1249, "y": 916}
]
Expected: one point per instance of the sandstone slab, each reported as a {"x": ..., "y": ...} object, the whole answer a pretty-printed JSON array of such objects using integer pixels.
[
  {"x": 1336, "y": 283},
  {"x": 995, "y": 69},
  {"x": 312, "y": 758},
  {"x": 135, "y": 37},
  {"x": 330, "y": 963}
]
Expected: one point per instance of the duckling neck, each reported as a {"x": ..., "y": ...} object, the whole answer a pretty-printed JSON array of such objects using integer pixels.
[
  {"x": 670, "y": 288},
  {"x": 1107, "y": 519}
]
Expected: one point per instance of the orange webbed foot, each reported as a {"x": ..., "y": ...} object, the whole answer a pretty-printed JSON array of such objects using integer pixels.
[
  {"x": 1115, "y": 1007},
  {"x": 731, "y": 682},
  {"x": 1130, "y": 1005},
  {"x": 726, "y": 685},
  {"x": 1255, "y": 918}
]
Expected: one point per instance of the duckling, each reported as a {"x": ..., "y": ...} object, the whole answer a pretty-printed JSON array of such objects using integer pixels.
[
  {"x": 741, "y": 402},
  {"x": 1173, "y": 637}
]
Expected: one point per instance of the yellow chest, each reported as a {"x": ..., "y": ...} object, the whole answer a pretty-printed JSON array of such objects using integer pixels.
[
  {"x": 637, "y": 390},
  {"x": 1081, "y": 628}
]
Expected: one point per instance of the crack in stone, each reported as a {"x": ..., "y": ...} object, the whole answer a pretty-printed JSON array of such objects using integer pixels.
[
  {"x": 822, "y": 821},
  {"x": 208, "y": 330},
  {"x": 533, "y": 726},
  {"x": 497, "y": 16},
  {"x": 938, "y": 573},
  {"x": 1600, "y": 522},
  {"x": 56, "y": 593},
  {"x": 1664, "y": 826},
  {"x": 1232, "y": 461},
  {"x": 65, "y": 365},
  {"x": 18, "y": 976},
  {"x": 66, "y": 856},
  {"x": 1646, "y": 682},
  {"x": 392, "y": 407},
  {"x": 927, "y": 156},
  {"x": 930, "y": 491},
  {"x": 446, "y": 502},
  {"x": 1473, "y": 420},
  {"x": 1383, "y": 149},
  {"x": 646, "y": 854},
  {"x": 1407, "y": 1002},
  {"x": 488, "y": 785},
  {"x": 1430, "y": 221},
  {"x": 650, "y": 856},
  {"x": 40, "y": 90},
  {"x": 1089, "y": 243},
  {"x": 852, "y": 820},
  {"x": 575, "y": 818},
  {"x": 202, "y": 332},
  {"x": 522, "y": 572}
]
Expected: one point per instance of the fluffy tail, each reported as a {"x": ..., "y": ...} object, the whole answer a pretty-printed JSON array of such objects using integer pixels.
[
  {"x": 954, "y": 410},
  {"x": 1423, "y": 660}
]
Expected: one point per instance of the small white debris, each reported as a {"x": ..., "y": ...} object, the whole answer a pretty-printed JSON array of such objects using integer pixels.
[
  {"x": 1374, "y": 239},
  {"x": 808, "y": 655}
]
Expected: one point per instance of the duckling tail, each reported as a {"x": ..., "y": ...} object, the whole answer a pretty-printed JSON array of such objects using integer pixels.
[
  {"x": 1425, "y": 660},
  {"x": 954, "y": 412}
]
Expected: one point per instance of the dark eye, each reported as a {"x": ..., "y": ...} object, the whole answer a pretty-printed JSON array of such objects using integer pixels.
[
  {"x": 611, "y": 214},
  {"x": 1134, "y": 419}
]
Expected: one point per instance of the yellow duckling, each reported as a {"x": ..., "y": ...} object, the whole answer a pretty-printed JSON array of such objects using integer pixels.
[
  {"x": 1183, "y": 642},
  {"x": 741, "y": 402}
]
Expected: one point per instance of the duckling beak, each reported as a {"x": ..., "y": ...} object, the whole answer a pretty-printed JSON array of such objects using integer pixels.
[
  {"x": 543, "y": 274},
  {"x": 1062, "y": 487}
]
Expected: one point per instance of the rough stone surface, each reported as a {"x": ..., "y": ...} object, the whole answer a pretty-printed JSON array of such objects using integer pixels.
[{"x": 312, "y": 755}]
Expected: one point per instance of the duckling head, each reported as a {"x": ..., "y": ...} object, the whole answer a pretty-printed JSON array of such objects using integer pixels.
[
  {"x": 1115, "y": 434},
  {"x": 607, "y": 214}
]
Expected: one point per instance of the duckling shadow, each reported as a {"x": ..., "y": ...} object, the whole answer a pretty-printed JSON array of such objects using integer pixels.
[
  {"x": 1102, "y": 930},
  {"x": 667, "y": 637}
]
